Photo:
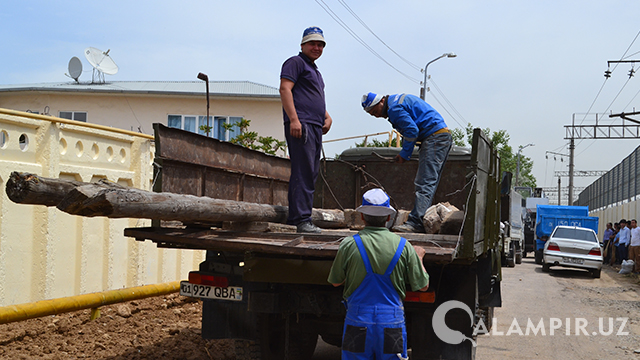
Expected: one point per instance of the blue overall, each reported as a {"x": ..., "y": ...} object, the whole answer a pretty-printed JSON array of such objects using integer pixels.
[{"x": 374, "y": 326}]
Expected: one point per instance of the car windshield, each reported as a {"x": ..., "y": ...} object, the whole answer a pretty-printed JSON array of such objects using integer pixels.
[{"x": 577, "y": 234}]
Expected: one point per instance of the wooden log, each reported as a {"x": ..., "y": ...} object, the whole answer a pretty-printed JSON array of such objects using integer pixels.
[
  {"x": 25, "y": 188},
  {"x": 114, "y": 201}
]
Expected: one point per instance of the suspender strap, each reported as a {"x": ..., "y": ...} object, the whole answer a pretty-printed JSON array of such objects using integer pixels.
[
  {"x": 363, "y": 253},
  {"x": 396, "y": 257}
]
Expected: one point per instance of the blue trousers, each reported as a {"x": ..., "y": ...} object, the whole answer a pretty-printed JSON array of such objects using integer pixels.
[
  {"x": 434, "y": 151},
  {"x": 304, "y": 154}
]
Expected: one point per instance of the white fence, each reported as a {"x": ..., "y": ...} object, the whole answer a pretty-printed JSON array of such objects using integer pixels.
[{"x": 46, "y": 253}]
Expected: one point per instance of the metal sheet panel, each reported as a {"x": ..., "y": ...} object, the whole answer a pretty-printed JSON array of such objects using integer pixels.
[{"x": 198, "y": 165}]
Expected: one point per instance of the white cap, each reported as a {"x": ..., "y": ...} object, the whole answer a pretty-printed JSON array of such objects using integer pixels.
[{"x": 375, "y": 202}]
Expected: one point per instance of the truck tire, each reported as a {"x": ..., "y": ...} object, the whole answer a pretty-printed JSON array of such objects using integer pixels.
[
  {"x": 511, "y": 259},
  {"x": 247, "y": 350},
  {"x": 272, "y": 331},
  {"x": 538, "y": 258},
  {"x": 546, "y": 267}
]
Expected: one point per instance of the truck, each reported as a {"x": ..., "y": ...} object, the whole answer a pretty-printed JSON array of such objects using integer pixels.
[
  {"x": 512, "y": 225},
  {"x": 530, "y": 208},
  {"x": 267, "y": 288},
  {"x": 550, "y": 216}
]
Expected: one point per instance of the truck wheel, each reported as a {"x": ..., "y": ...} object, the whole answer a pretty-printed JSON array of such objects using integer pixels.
[
  {"x": 247, "y": 350},
  {"x": 272, "y": 330},
  {"x": 538, "y": 258}
]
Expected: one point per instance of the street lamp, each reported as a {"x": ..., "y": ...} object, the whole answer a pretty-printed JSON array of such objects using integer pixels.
[
  {"x": 520, "y": 148},
  {"x": 423, "y": 89},
  {"x": 205, "y": 78}
]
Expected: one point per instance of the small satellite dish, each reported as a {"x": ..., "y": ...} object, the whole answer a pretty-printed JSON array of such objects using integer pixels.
[
  {"x": 101, "y": 62},
  {"x": 75, "y": 68}
]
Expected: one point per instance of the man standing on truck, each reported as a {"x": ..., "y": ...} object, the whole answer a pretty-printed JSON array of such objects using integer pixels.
[
  {"x": 417, "y": 121},
  {"x": 305, "y": 121},
  {"x": 376, "y": 266}
]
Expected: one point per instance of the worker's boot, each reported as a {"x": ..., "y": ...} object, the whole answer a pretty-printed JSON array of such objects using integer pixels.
[{"x": 307, "y": 227}]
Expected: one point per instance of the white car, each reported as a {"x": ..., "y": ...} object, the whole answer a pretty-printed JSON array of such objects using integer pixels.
[{"x": 574, "y": 247}]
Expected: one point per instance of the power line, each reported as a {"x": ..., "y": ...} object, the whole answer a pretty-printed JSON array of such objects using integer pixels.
[
  {"x": 416, "y": 67},
  {"x": 337, "y": 19},
  {"x": 447, "y": 100},
  {"x": 445, "y": 109}
]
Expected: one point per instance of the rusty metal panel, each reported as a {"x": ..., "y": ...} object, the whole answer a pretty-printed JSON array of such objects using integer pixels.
[
  {"x": 181, "y": 178},
  {"x": 220, "y": 184},
  {"x": 193, "y": 164},
  {"x": 347, "y": 181}
]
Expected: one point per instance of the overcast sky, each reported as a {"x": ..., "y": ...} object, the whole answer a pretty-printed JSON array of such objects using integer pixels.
[{"x": 523, "y": 66}]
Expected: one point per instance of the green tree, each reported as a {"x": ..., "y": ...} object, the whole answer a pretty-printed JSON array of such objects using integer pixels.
[
  {"x": 251, "y": 139},
  {"x": 508, "y": 158}
]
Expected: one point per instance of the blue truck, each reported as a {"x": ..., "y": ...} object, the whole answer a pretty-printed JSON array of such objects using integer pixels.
[{"x": 550, "y": 216}]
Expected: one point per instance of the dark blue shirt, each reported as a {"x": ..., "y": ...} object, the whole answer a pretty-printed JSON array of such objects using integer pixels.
[{"x": 308, "y": 89}]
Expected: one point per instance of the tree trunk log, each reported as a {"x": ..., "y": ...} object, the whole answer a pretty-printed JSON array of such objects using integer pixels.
[
  {"x": 25, "y": 188},
  {"x": 115, "y": 201}
]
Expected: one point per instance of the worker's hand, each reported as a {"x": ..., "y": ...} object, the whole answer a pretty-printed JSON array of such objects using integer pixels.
[
  {"x": 327, "y": 123},
  {"x": 295, "y": 129},
  {"x": 399, "y": 159}
]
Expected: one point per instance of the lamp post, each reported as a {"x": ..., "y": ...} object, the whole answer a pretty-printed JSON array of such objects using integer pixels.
[
  {"x": 520, "y": 148},
  {"x": 205, "y": 78},
  {"x": 423, "y": 89}
]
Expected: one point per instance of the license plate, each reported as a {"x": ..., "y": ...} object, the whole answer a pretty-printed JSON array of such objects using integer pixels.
[
  {"x": 233, "y": 293},
  {"x": 573, "y": 260}
]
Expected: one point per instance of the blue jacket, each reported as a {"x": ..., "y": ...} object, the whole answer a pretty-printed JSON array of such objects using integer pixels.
[{"x": 414, "y": 119}]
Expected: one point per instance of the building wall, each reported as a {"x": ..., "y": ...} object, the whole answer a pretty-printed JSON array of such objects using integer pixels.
[
  {"x": 46, "y": 253},
  {"x": 130, "y": 111}
]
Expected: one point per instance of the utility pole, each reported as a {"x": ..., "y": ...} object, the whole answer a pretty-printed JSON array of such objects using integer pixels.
[{"x": 571, "y": 165}]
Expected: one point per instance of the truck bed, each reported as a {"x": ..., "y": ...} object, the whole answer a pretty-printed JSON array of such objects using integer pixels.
[{"x": 439, "y": 248}]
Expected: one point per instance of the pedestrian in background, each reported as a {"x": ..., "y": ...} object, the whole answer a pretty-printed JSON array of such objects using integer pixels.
[
  {"x": 623, "y": 238},
  {"x": 305, "y": 121},
  {"x": 634, "y": 246},
  {"x": 417, "y": 121},
  {"x": 608, "y": 236}
]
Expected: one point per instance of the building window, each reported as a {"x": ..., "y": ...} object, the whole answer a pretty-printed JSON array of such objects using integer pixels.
[
  {"x": 192, "y": 123},
  {"x": 74, "y": 115}
]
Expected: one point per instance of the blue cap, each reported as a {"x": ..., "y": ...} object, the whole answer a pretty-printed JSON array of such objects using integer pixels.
[
  {"x": 370, "y": 100},
  {"x": 313, "y": 33},
  {"x": 375, "y": 202}
]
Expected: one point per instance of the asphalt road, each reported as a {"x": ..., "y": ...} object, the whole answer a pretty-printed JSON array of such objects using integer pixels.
[
  {"x": 557, "y": 301},
  {"x": 573, "y": 304}
]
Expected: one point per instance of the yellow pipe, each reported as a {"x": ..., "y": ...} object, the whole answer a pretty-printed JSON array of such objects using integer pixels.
[
  {"x": 73, "y": 122},
  {"x": 80, "y": 302}
]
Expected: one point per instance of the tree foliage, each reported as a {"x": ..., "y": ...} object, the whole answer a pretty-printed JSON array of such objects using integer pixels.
[
  {"x": 251, "y": 139},
  {"x": 508, "y": 158}
]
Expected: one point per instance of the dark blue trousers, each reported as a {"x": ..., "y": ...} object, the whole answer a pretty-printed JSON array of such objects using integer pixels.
[{"x": 304, "y": 154}]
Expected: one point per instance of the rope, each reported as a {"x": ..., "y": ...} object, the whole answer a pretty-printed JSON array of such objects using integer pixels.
[{"x": 466, "y": 209}]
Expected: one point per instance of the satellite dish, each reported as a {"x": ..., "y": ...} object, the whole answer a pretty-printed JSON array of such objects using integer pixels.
[
  {"x": 75, "y": 68},
  {"x": 101, "y": 62}
]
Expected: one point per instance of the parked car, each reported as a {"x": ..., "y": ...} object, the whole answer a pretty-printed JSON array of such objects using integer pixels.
[{"x": 573, "y": 247}]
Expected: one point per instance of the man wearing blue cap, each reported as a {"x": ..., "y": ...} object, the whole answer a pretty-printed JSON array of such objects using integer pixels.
[
  {"x": 376, "y": 266},
  {"x": 417, "y": 121},
  {"x": 305, "y": 121}
]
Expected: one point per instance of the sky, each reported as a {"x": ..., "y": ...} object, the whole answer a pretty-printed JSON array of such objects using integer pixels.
[{"x": 527, "y": 67}]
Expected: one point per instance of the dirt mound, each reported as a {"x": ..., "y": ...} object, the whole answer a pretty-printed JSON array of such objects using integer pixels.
[{"x": 165, "y": 327}]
